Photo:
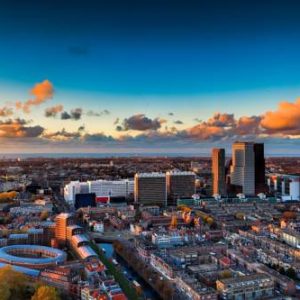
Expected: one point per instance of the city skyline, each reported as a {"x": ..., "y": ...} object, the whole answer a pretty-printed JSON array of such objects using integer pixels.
[
  {"x": 149, "y": 149},
  {"x": 149, "y": 78}
]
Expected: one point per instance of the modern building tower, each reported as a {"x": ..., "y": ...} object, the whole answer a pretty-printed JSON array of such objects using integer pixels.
[
  {"x": 218, "y": 171},
  {"x": 260, "y": 181},
  {"x": 243, "y": 167},
  {"x": 62, "y": 221},
  {"x": 150, "y": 189},
  {"x": 180, "y": 185}
]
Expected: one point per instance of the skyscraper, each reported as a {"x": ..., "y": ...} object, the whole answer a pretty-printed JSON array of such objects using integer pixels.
[
  {"x": 150, "y": 189},
  {"x": 260, "y": 183},
  {"x": 218, "y": 171},
  {"x": 243, "y": 167}
]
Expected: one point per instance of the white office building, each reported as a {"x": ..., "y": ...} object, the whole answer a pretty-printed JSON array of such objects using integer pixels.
[
  {"x": 111, "y": 188},
  {"x": 295, "y": 188},
  {"x": 102, "y": 188},
  {"x": 286, "y": 186},
  {"x": 73, "y": 188}
]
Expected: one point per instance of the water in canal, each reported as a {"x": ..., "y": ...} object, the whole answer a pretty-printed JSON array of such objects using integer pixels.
[{"x": 149, "y": 293}]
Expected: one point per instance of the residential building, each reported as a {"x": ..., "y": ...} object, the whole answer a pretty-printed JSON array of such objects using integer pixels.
[
  {"x": 193, "y": 289},
  {"x": 291, "y": 237},
  {"x": 166, "y": 240},
  {"x": 254, "y": 286}
]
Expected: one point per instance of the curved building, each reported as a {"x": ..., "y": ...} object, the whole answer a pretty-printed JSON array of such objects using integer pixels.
[
  {"x": 32, "y": 256},
  {"x": 86, "y": 253}
]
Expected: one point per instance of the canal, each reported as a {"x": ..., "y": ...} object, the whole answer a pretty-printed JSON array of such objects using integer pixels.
[{"x": 148, "y": 292}]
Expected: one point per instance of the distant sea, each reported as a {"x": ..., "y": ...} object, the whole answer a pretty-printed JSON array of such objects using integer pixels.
[
  {"x": 115, "y": 155},
  {"x": 100, "y": 155}
]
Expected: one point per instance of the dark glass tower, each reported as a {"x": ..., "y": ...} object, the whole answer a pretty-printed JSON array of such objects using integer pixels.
[{"x": 260, "y": 185}]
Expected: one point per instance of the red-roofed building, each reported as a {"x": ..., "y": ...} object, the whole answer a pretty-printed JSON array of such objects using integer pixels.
[
  {"x": 93, "y": 294},
  {"x": 94, "y": 267},
  {"x": 102, "y": 200},
  {"x": 120, "y": 296},
  {"x": 225, "y": 262}
]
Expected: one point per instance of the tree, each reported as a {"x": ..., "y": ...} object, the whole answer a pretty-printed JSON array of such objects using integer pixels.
[
  {"x": 45, "y": 293},
  {"x": 240, "y": 216},
  {"x": 214, "y": 226},
  {"x": 7, "y": 196},
  {"x": 167, "y": 292},
  {"x": 225, "y": 274},
  {"x": 44, "y": 215},
  {"x": 289, "y": 215},
  {"x": 281, "y": 270},
  {"x": 290, "y": 272},
  {"x": 12, "y": 284},
  {"x": 209, "y": 220},
  {"x": 4, "y": 292}
]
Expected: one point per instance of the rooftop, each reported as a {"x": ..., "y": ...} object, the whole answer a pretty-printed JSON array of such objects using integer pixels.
[
  {"x": 64, "y": 216},
  {"x": 47, "y": 255},
  {"x": 151, "y": 175},
  {"x": 246, "y": 278},
  {"x": 79, "y": 238},
  {"x": 86, "y": 252},
  {"x": 180, "y": 173}
]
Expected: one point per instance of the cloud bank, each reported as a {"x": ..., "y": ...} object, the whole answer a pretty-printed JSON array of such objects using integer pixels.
[
  {"x": 140, "y": 122},
  {"x": 140, "y": 130},
  {"x": 18, "y": 128}
]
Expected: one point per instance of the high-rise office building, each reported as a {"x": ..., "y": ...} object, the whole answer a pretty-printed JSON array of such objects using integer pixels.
[
  {"x": 260, "y": 181},
  {"x": 150, "y": 189},
  {"x": 180, "y": 185},
  {"x": 218, "y": 171},
  {"x": 62, "y": 221},
  {"x": 243, "y": 167}
]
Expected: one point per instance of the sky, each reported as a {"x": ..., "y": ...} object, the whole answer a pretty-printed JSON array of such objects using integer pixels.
[{"x": 149, "y": 75}]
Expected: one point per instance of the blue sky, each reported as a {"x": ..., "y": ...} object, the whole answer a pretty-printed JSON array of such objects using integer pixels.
[{"x": 191, "y": 58}]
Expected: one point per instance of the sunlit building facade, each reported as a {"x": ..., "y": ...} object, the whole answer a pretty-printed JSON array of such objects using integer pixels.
[{"x": 218, "y": 171}]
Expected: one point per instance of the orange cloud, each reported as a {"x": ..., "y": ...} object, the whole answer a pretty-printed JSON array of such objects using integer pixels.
[
  {"x": 248, "y": 125},
  {"x": 42, "y": 92},
  {"x": 17, "y": 129},
  {"x": 222, "y": 125},
  {"x": 221, "y": 120},
  {"x": 203, "y": 131},
  {"x": 53, "y": 111},
  {"x": 218, "y": 126},
  {"x": 285, "y": 120}
]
